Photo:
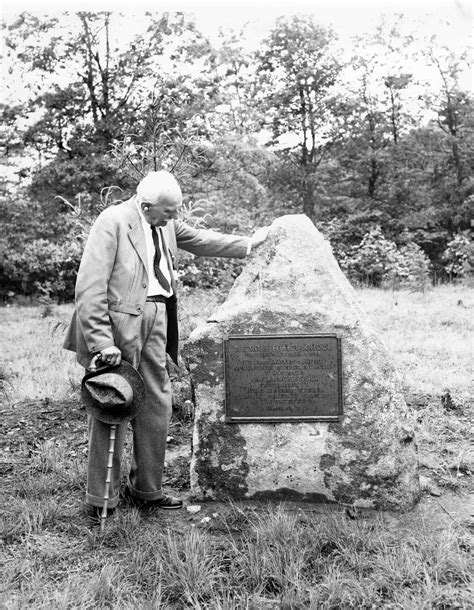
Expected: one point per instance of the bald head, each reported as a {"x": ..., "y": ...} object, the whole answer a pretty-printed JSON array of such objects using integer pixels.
[{"x": 159, "y": 196}]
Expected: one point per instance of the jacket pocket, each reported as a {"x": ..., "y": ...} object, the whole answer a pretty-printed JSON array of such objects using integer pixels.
[{"x": 125, "y": 308}]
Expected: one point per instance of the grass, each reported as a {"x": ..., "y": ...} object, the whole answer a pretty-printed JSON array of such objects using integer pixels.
[
  {"x": 430, "y": 335},
  {"x": 277, "y": 558},
  {"x": 245, "y": 555},
  {"x": 33, "y": 364},
  {"x": 32, "y": 359}
]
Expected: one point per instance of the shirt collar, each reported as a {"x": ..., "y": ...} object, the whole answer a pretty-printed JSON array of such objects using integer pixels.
[{"x": 140, "y": 211}]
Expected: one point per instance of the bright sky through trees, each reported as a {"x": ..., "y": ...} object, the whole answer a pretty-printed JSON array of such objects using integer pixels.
[
  {"x": 349, "y": 17},
  {"x": 449, "y": 20}
]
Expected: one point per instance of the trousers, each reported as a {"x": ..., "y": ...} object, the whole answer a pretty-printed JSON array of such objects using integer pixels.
[{"x": 150, "y": 427}]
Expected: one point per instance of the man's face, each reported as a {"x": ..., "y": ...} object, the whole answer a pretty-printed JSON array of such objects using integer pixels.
[{"x": 161, "y": 210}]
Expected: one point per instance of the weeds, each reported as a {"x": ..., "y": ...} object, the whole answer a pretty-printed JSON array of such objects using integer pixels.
[
  {"x": 47, "y": 307},
  {"x": 190, "y": 567},
  {"x": 290, "y": 559},
  {"x": 5, "y": 386},
  {"x": 445, "y": 443}
]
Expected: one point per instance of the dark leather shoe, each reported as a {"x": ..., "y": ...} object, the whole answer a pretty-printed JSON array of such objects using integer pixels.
[{"x": 166, "y": 503}]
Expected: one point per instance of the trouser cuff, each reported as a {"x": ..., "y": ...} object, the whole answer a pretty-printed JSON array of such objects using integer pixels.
[
  {"x": 145, "y": 495},
  {"x": 99, "y": 501}
]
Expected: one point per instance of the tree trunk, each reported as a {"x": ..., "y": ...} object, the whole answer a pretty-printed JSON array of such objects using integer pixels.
[
  {"x": 373, "y": 177},
  {"x": 393, "y": 117},
  {"x": 304, "y": 155},
  {"x": 308, "y": 197}
]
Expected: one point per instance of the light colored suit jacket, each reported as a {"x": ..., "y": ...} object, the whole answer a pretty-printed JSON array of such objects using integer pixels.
[{"x": 112, "y": 281}]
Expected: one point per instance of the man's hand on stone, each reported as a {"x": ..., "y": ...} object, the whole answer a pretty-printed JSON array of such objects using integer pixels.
[
  {"x": 111, "y": 356},
  {"x": 259, "y": 236}
]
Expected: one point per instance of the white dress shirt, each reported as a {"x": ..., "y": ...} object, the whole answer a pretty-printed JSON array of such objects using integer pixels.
[{"x": 154, "y": 286}]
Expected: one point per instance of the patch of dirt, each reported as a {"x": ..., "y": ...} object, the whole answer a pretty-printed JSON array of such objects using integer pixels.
[
  {"x": 40, "y": 418},
  {"x": 27, "y": 424}
]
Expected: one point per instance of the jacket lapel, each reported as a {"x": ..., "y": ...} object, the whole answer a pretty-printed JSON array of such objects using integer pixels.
[{"x": 135, "y": 234}]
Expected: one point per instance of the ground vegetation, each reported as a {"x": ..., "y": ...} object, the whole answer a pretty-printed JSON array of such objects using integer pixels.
[{"x": 246, "y": 554}]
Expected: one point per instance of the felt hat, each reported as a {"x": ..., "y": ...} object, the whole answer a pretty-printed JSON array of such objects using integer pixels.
[{"x": 113, "y": 394}]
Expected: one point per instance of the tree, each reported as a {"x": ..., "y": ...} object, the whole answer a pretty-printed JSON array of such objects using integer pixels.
[
  {"x": 395, "y": 164},
  {"x": 297, "y": 69},
  {"x": 453, "y": 106},
  {"x": 233, "y": 69},
  {"x": 105, "y": 94},
  {"x": 379, "y": 107},
  {"x": 354, "y": 146},
  {"x": 448, "y": 160}
]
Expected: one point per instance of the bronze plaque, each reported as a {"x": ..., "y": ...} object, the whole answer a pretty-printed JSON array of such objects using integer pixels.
[{"x": 283, "y": 378}]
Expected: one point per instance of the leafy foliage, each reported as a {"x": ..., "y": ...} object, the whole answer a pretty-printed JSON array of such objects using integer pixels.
[
  {"x": 373, "y": 259},
  {"x": 44, "y": 268},
  {"x": 458, "y": 256},
  {"x": 412, "y": 268},
  {"x": 296, "y": 126},
  {"x": 377, "y": 259},
  {"x": 297, "y": 69}
]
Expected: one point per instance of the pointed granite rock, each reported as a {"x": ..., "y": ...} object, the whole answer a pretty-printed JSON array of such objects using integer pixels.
[{"x": 292, "y": 284}]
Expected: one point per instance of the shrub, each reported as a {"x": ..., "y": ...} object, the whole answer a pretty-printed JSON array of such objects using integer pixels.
[
  {"x": 411, "y": 268},
  {"x": 372, "y": 260},
  {"x": 457, "y": 257},
  {"x": 43, "y": 267},
  {"x": 377, "y": 260},
  {"x": 203, "y": 272}
]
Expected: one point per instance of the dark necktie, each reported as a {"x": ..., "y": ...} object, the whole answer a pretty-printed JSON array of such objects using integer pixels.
[{"x": 156, "y": 261}]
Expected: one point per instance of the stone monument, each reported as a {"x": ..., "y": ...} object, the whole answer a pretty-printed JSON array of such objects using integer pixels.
[{"x": 361, "y": 452}]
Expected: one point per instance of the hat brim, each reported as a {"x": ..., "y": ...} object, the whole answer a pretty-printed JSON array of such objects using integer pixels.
[{"x": 127, "y": 413}]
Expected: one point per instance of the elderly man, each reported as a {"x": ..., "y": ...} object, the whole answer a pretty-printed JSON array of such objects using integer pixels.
[{"x": 126, "y": 308}]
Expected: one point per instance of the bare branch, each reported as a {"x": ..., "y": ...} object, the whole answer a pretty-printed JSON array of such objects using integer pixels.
[
  {"x": 108, "y": 190},
  {"x": 76, "y": 209}
]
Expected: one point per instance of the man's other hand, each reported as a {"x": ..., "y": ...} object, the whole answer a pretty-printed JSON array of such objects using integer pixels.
[
  {"x": 259, "y": 236},
  {"x": 111, "y": 356}
]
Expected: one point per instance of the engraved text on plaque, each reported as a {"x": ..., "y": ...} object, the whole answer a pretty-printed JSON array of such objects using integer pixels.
[{"x": 278, "y": 378}]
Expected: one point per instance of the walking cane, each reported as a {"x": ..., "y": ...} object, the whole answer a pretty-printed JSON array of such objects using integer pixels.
[
  {"x": 108, "y": 477},
  {"x": 115, "y": 397},
  {"x": 103, "y": 516}
]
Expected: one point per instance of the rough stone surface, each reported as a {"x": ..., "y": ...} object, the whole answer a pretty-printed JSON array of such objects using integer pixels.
[{"x": 293, "y": 284}]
